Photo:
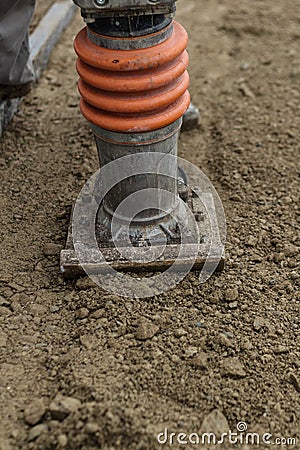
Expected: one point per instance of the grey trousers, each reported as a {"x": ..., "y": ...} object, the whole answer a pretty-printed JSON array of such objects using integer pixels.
[{"x": 15, "y": 65}]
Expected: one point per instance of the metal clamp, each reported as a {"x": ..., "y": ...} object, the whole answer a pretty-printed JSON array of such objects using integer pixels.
[{"x": 102, "y": 8}]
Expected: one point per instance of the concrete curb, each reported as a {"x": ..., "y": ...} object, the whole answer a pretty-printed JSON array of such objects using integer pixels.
[{"x": 42, "y": 41}]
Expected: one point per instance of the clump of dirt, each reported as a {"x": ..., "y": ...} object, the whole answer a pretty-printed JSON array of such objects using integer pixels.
[{"x": 74, "y": 371}]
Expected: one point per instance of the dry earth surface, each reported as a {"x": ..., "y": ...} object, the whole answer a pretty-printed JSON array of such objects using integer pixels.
[{"x": 74, "y": 373}]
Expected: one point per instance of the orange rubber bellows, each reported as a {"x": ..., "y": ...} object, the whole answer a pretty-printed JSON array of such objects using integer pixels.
[{"x": 137, "y": 90}]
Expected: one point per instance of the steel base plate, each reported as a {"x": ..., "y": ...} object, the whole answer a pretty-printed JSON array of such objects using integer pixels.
[{"x": 168, "y": 254}]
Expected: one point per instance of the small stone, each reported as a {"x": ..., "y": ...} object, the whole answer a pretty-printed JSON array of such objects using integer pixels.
[
  {"x": 37, "y": 431},
  {"x": 61, "y": 407},
  {"x": 175, "y": 359},
  {"x": 267, "y": 358},
  {"x": 295, "y": 381},
  {"x": 214, "y": 299},
  {"x": 246, "y": 345},
  {"x": 228, "y": 334},
  {"x": 91, "y": 428},
  {"x": 98, "y": 314},
  {"x": 3, "y": 339},
  {"x": 61, "y": 214},
  {"x": 245, "y": 66},
  {"x": 200, "y": 361},
  {"x": 4, "y": 312},
  {"x": 233, "y": 305},
  {"x": 256, "y": 258},
  {"x": 87, "y": 341},
  {"x": 232, "y": 368},
  {"x": 21, "y": 298},
  {"x": 85, "y": 283},
  {"x": 16, "y": 287},
  {"x": 54, "y": 308},
  {"x": 180, "y": 332},
  {"x": 224, "y": 340},
  {"x": 215, "y": 422},
  {"x": 37, "y": 310},
  {"x": 34, "y": 412},
  {"x": 62, "y": 440},
  {"x": 267, "y": 61},
  {"x": 246, "y": 91},
  {"x": 51, "y": 249},
  {"x": 251, "y": 241},
  {"x": 280, "y": 349},
  {"x": 39, "y": 267},
  {"x": 4, "y": 301},
  {"x": 290, "y": 250},
  {"x": 260, "y": 322},
  {"x": 279, "y": 257},
  {"x": 231, "y": 295},
  {"x": 236, "y": 198},
  {"x": 189, "y": 352},
  {"x": 5, "y": 445},
  {"x": 146, "y": 330},
  {"x": 82, "y": 313}
]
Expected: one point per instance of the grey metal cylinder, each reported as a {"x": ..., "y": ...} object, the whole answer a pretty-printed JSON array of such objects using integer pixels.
[{"x": 111, "y": 146}]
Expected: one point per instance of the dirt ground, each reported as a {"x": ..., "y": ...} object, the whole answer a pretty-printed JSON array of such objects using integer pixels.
[{"x": 73, "y": 372}]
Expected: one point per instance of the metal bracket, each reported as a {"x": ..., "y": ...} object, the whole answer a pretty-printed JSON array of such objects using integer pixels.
[{"x": 101, "y": 8}]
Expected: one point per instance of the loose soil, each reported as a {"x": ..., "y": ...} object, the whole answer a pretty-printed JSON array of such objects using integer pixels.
[{"x": 211, "y": 356}]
